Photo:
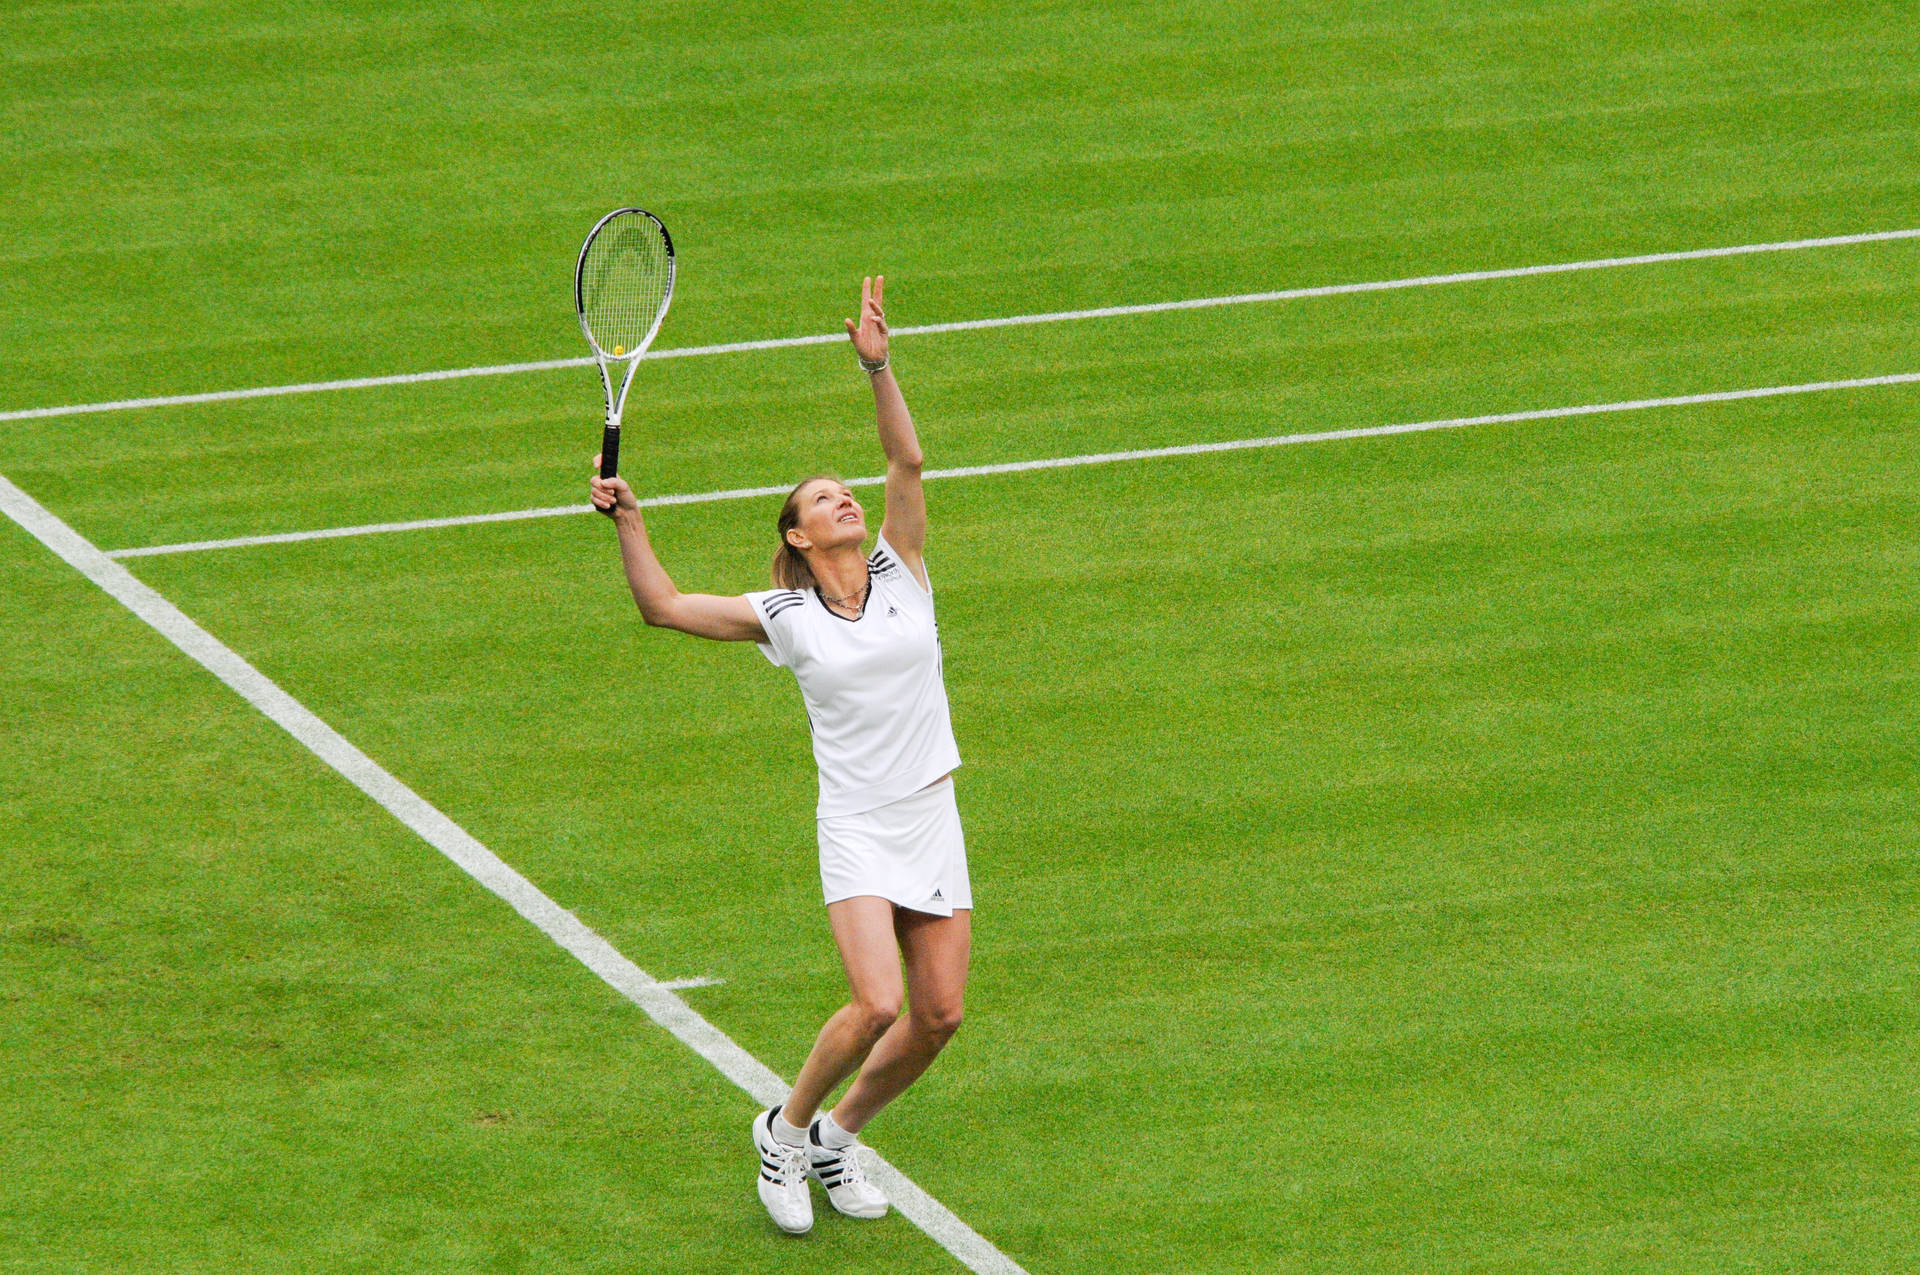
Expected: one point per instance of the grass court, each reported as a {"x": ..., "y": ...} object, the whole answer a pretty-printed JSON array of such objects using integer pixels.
[{"x": 1489, "y": 849}]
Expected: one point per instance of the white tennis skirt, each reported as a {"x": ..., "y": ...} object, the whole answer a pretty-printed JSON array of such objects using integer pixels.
[{"x": 909, "y": 851}]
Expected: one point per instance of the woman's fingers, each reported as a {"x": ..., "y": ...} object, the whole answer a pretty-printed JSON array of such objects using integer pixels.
[
  {"x": 869, "y": 335},
  {"x": 611, "y": 493}
]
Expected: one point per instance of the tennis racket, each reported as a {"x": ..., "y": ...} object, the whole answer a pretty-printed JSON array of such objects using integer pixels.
[{"x": 622, "y": 287}]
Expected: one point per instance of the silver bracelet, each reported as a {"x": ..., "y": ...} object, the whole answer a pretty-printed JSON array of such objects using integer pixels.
[{"x": 872, "y": 367}]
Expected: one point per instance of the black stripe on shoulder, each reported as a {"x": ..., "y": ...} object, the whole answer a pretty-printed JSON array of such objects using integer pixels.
[{"x": 776, "y": 610}]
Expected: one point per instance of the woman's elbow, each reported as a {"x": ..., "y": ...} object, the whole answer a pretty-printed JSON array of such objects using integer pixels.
[{"x": 658, "y": 612}]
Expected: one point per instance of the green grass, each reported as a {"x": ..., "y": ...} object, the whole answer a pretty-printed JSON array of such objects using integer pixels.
[{"x": 1480, "y": 851}]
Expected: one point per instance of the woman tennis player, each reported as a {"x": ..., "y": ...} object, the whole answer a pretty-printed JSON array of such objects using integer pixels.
[{"x": 857, "y": 629}]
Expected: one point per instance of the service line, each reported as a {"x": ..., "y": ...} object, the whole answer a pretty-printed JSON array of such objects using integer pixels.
[
  {"x": 970, "y": 325},
  {"x": 656, "y": 998},
  {"x": 1056, "y": 462}
]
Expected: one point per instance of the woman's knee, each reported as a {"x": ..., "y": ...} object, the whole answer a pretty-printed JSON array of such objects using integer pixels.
[
  {"x": 938, "y": 1021},
  {"x": 872, "y": 1016}
]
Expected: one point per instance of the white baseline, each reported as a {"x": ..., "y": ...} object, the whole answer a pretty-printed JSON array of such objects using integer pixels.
[
  {"x": 563, "y": 927},
  {"x": 969, "y": 325},
  {"x": 1059, "y": 462}
]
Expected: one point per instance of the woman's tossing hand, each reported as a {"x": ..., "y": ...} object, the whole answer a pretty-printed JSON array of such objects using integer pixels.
[
  {"x": 870, "y": 334},
  {"x": 607, "y": 492}
]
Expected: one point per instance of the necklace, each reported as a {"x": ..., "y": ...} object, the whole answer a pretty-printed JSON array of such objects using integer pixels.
[{"x": 847, "y": 601}]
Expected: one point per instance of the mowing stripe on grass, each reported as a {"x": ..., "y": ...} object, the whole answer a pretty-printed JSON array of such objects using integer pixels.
[
  {"x": 562, "y": 926},
  {"x": 1060, "y": 462},
  {"x": 969, "y": 325}
]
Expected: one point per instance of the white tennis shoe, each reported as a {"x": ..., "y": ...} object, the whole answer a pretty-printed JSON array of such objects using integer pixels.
[
  {"x": 783, "y": 1178},
  {"x": 838, "y": 1169}
]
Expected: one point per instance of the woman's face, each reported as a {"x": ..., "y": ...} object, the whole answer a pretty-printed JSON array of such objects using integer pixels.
[{"x": 830, "y": 517}]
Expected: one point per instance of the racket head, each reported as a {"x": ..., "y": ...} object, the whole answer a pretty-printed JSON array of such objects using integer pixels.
[{"x": 623, "y": 282}]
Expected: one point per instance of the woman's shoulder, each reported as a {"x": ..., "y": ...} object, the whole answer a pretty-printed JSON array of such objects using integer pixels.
[
  {"x": 785, "y": 605},
  {"x": 887, "y": 568},
  {"x": 884, "y": 562}
]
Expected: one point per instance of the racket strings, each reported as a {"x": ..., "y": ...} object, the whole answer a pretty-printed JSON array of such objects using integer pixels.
[{"x": 625, "y": 281}]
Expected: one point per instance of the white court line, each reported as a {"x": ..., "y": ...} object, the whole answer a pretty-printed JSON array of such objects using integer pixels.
[
  {"x": 1060, "y": 462},
  {"x": 562, "y": 926},
  {"x": 970, "y": 325},
  {"x": 463, "y": 520}
]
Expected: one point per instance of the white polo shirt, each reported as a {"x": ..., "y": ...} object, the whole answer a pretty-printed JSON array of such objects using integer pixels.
[{"x": 874, "y": 688}]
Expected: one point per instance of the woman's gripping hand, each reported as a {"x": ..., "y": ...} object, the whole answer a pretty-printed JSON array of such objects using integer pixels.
[{"x": 609, "y": 493}]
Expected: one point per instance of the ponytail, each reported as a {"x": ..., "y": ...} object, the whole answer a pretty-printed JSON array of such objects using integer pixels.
[{"x": 790, "y": 569}]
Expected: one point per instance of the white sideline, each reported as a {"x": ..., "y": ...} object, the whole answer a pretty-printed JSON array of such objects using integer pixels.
[
  {"x": 562, "y": 926},
  {"x": 1060, "y": 462},
  {"x": 970, "y": 325}
]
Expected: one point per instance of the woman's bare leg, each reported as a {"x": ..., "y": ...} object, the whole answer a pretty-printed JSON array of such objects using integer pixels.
[
  {"x": 936, "y": 950},
  {"x": 864, "y": 929}
]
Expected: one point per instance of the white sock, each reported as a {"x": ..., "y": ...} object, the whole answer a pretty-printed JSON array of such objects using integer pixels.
[
  {"x": 786, "y": 1134},
  {"x": 830, "y": 1134}
]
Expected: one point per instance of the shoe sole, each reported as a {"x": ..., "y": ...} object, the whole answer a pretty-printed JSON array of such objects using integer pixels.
[{"x": 850, "y": 1213}]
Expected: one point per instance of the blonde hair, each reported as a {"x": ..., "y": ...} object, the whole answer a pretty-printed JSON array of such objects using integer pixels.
[{"x": 790, "y": 569}]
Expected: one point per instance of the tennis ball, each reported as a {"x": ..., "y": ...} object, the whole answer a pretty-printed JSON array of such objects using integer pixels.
[{"x": 619, "y": 349}]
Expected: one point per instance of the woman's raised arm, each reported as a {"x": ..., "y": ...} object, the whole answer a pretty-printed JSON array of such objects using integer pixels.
[
  {"x": 707, "y": 615},
  {"x": 905, "y": 524}
]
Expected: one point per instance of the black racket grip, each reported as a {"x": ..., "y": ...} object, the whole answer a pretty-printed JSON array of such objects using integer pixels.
[{"x": 610, "y": 460}]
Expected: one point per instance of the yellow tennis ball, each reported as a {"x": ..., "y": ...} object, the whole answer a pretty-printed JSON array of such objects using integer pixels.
[{"x": 619, "y": 349}]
